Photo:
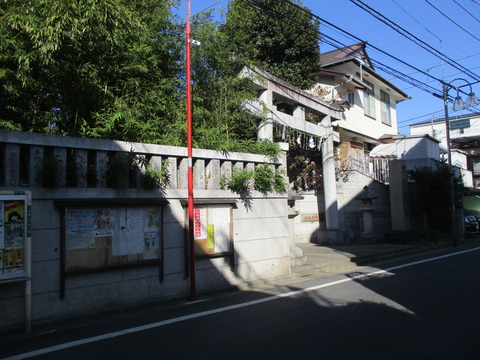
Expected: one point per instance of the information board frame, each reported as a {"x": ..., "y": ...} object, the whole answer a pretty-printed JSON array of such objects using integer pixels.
[
  {"x": 10, "y": 216},
  {"x": 204, "y": 231},
  {"x": 15, "y": 235},
  {"x": 77, "y": 216}
]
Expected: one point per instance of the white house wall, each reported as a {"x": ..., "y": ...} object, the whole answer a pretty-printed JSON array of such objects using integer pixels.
[
  {"x": 417, "y": 147},
  {"x": 438, "y": 129},
  {"x": 354, "y": 119}
]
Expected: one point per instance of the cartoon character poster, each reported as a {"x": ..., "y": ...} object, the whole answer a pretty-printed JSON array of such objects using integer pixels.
[
  {"x": 14, "y": 212},
  {"x": 2, "y": 244}
]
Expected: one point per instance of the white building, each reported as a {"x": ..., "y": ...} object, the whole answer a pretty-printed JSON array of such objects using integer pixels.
[
  {"x": 464, "y": 142},
  {"x": 461, "y": 126},
  {"x": 370, "y": 101}
]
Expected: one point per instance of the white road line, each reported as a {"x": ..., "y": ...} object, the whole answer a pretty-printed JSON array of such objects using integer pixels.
[{"x": 111, "y": 335}]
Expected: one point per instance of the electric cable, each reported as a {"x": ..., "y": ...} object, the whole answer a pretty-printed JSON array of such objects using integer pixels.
[
  {"x": 414, "y": 38},
  {"x": 466, "y": 10},
  {"x": 453, "y": 21}
]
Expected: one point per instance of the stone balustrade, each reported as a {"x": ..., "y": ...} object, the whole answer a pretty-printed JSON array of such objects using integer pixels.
[{"x": 41, "y": 160}]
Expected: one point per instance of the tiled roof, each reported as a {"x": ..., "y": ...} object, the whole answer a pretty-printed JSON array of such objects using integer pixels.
[{"x": 355, "y": 51}]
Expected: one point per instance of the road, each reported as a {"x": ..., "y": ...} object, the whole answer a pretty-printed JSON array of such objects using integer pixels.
[{"x": 424, "y": 307}]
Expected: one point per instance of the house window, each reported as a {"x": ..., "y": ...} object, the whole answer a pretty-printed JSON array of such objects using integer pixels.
[
  {"x": 369, "y": 100},
  {"x": 476, "y": 167},
  {"x": 385, "y": 107},
  {"x": 351, "y": 98}
]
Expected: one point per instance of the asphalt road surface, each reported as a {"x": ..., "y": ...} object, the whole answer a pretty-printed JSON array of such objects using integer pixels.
[{"x": 424, "y": 307}]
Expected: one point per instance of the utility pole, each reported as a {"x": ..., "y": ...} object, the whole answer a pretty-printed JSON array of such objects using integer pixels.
[{"x": 190, "y": 230}]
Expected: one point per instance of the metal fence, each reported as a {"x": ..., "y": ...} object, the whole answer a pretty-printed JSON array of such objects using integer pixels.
[{"x": 376, "y": 168}]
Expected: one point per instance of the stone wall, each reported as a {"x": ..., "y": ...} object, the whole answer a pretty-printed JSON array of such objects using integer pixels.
[
  {"x": 259, "y": 224},
  {"x": 310, "y": 226}
]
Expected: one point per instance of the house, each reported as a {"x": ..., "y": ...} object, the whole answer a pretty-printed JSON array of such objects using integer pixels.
[
  {"x": 348, "y": 78},
  {"x": 464, "y": 142},
  {"x": 369, "y": 102}
]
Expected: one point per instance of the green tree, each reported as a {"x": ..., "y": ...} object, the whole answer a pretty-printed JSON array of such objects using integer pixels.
[
  {"x": 115, "y": 69},
  {"x": 431, "y": 195},
  {"x": 220, "y": 121},
  {"x": 105, "y": 68},
  {"x": 277, "y": 36}
]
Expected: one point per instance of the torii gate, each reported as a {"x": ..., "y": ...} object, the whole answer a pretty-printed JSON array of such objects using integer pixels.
[{"x": 269, "y": 88}]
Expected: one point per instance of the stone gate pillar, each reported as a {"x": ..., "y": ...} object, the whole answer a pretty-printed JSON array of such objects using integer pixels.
[{"x": 329, "y": 182}]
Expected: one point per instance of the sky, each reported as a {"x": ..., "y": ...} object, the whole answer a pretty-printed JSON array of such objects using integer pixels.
[{"x": 445, "y": 27}]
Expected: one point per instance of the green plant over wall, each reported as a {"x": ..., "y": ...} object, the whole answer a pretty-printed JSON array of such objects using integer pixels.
[
  {"x": 240, "y": 181},
  {"x": 279, "y": 183},
  {"x": 265, "y": 179},
  {"x": 124, "y": 168},
  {"x": 157, "y": 178}
]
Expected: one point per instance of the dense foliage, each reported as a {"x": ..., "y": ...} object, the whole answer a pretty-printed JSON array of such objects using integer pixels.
[
  {"x": 277, "y": 36},
  {"x": 106, "y": 68},
  {"x": 432, "y": 190},
  {"x": 115, "y": 69}
]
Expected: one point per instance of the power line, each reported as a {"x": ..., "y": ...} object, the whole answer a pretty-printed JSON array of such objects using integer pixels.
[
  {"x": 418, "y": 22},
  {"x": 414, "y": 38},
  {"x": 338, "y": 45},
  {"x": 419, "y": 117},
  {"x": 453, "y": 21},
  {"x": 394, "y": 72},
  {"x": 467, "y": 11}
]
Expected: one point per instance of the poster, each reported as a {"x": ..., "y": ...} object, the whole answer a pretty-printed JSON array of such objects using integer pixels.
[
  {"x": 211, "y": 236},
  {"x": 200, "y": 222},
  {"x": 221, "y": 218},
  {"x": 13, "y": 260},
  {"x": 212, "y": 229},
  {"x": 127, "y": 239},
  {"x": 79, "y": 233},
  {"x": 14, "y": 211},
  {"x": 152, "y": 245},
  {"x": 2, "y": 243},
  {"x": 153, "y": 219},
  {"x": 12, "y": 236},
  {"x": 103, "y": 223}
]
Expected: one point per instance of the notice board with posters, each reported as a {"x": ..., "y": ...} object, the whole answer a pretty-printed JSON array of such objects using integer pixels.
[
  {"x": 213, "y": 228},
  {"x": 111, "y": 234},
  {"x": 15, "y": 242}
]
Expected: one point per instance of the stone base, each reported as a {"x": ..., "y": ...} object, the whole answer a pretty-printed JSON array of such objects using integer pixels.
[
  {"x": 333, "y": 237},
  {"x": 297, "y": 257},
  {"x": 367, "y": 238}
]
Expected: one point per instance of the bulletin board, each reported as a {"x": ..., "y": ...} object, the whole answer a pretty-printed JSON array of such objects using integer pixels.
[
  {"x": 111, "y": 234},
  {"x": 15, "y": 214},
  {"x": 213, "y": 228}
]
